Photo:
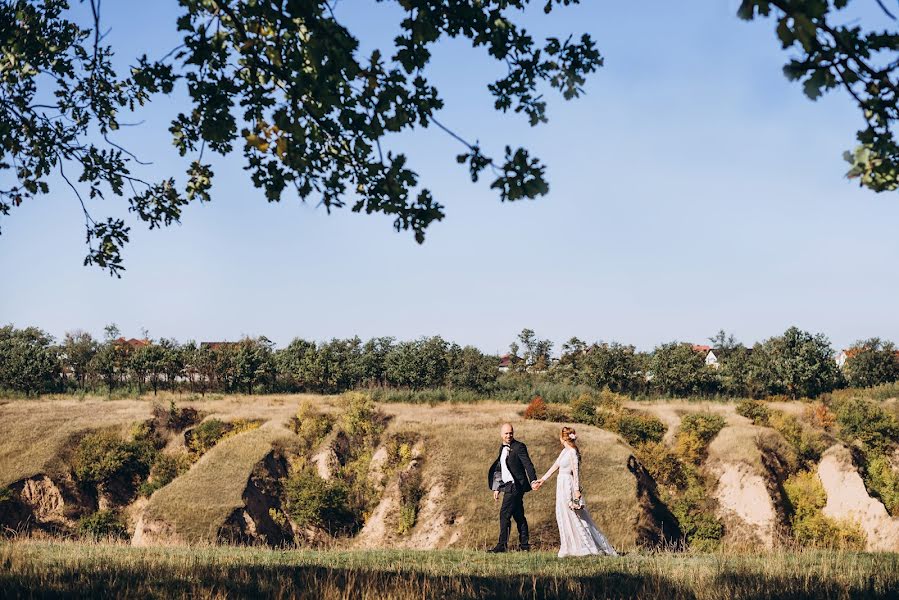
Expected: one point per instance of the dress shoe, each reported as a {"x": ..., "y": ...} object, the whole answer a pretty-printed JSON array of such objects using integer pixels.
[
  {"x": 523, "y": 549},
  {"x": 496, "y": 550}
]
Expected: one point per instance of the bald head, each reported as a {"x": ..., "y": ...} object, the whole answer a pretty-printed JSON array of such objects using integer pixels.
[{"x": 506, "y": 433}]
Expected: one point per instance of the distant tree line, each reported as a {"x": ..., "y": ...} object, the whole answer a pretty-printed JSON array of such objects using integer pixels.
[{"x": 795, "y": 364}]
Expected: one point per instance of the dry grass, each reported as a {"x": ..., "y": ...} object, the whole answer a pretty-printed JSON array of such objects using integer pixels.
[
  {"x": 41, "y": 569},
  {"x": 197, "y": 503},
  {"x": 463, "y": 440},
  {"x": 35, "y": 434}
]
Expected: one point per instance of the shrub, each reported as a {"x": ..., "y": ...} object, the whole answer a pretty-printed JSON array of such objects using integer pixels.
[
  {"x": 165, "y": 469},
  {"x": 103, "y": 456},
  {"x": 6, "y": 494},
  {"x": 754, "y": 410},
  {"x": 662, "y": 464},
  {"x": 883, "y": 480},
  {"x": 695, "y": 515},
  {"x": 557, "y": 413},
  {"x": 810, "y": 527},
  {"x": 312, "y": 501},
  {"x": 583, "y": 409},
  {"x": 174, "y": 418},
  {"x": 536, "y": 409},
  {"x": 359, "y": 418},
  {"x": 867, "y": 422},
  {"x": 807, "y": 443},
  {"x": 704, "y": 425},
  {"x": 689, "y": 447},
  {"x": 206, "y": 435},
  {"x": 103, "y": 524},
  {"x": 311, "y": 425},
  {"x": 399, "y": 450},
  {"x": 637, "y": 427},
  {"x": 411, "y": 494},
  {"x": 240, "y": 426},
  {"x": 820, "y": 416}
]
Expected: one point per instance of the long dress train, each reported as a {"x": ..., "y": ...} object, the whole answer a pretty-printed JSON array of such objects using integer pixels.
[{"x": 578, "y": 534}]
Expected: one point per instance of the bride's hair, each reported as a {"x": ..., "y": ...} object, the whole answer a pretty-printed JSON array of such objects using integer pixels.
[{"x": 565, "y": 438}]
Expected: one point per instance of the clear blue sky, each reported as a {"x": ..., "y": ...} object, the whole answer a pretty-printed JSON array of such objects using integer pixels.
[{"x": 693, "y": 188}]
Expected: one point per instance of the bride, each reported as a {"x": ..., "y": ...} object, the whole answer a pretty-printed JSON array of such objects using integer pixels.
[{"x": 578, "y": 533}]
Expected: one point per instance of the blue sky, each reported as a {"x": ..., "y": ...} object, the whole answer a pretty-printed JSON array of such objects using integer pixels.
[{"x": 693, "y": 188}]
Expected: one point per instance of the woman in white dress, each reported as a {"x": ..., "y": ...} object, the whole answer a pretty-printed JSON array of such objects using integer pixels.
[{"x": 578, "y": 534}]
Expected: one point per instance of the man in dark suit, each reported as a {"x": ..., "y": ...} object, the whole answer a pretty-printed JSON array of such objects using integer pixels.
[{"x": 513, "y": 474}]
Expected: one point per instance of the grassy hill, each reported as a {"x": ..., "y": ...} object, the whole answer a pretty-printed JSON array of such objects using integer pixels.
[{"x": 414, "y": 475}]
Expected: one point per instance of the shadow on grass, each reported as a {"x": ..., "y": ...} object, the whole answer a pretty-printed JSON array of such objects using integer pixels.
[{"x": 52, "y": 581}]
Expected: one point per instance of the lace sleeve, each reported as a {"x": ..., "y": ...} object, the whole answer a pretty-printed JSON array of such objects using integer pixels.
[
  {"x": 575, "y": 470},
  {"x": 552, "y": 469}
]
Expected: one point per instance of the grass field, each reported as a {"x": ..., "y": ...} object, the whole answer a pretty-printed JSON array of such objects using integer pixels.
[{"x": 42, "y": 569}]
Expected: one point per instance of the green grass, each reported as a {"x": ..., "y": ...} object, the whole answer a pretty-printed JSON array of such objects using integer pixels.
[{"x": 31, "y": 569}]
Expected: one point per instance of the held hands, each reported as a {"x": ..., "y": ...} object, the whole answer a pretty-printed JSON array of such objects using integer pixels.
[{"x": 536, "y": 484}]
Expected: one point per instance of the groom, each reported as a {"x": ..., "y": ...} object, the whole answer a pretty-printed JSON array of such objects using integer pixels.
[{"x": 512, "y": 473}]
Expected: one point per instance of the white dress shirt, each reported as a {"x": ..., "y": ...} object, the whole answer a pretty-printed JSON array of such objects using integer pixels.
[{"x": 506, "y": 473}]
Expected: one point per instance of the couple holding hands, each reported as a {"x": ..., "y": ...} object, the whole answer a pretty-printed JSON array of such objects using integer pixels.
[{"x": 513, "y": 475}]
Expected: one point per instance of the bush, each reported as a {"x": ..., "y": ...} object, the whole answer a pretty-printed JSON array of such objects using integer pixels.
[
  {"x": 867, "y": 422},
  {"x": 883, "y": 481},
  {"x": 360, "y": 419},
  {"x": 665, "y": 468},
  {"x": 808, "y": 444},
  {"x": 103, "y": 456},
  {"x": 820, "y": 416},
  {"x": 695, "y": 515},
  {"x": 209, "y": 433},
  {"x": 165, "y": 469},
  {"x": 411, "y": 494},
  {"x": 637, "y": 427},
  {"x": 102, "y": 525},
  {"x": 399, "y": 450},
  {"x": 704, "y": 425},
  {"x": 583, "y": 409},
  {"x": 311, "y": 425},
  {"x": 557, "y": 413},
  {"x": 810, "y": 527},
  {"x": 536, "y": 409},
  {"x": 312, "y": 501},
  {"x": 174, "y": 418},
  {"x": 206, "y": 435},
  {"x": 754, "y": 410}
]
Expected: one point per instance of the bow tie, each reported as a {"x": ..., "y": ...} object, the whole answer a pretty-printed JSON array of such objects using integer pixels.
[{"x": 506, "y": 446}]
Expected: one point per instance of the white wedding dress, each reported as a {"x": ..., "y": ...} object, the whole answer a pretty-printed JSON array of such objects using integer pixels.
[{"x": 578, "y": 534}]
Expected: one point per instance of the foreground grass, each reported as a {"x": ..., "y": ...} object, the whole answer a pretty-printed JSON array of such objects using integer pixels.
[{"x": 32, "y": 569}]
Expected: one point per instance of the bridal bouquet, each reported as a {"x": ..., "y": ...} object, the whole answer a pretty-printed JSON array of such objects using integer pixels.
[{"x": 576, "y": 503}]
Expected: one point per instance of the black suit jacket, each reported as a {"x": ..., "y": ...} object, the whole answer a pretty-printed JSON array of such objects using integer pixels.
[{"x": 520, "y": 466}]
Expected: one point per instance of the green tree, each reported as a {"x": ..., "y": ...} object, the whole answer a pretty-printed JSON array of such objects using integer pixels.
[
  {"x": 801, "y": 363},
  {"x": 832, "y": 49},
  {"x": 371, "y": 363},
  {"x": 77, "y": 351},
  {"x": 105, "y": 365},
  {"x": 871, "y": 362},
  {"x": 252, "y": 362},
  {"x": 678, "y": 370},
  {"x": 471, "y": 369},
  {"x": 286, "y": 83},
  {"x": 294, "y": 363},
  {"x": 536, "y": 356},
  {"x": 29, "y": 362}
]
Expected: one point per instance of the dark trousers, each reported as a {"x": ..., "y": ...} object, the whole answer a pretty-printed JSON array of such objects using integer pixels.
[{"x": 512, "y": 508}]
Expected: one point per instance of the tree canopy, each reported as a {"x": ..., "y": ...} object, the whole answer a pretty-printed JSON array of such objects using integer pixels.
[{"x": 286, "y": 84}]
